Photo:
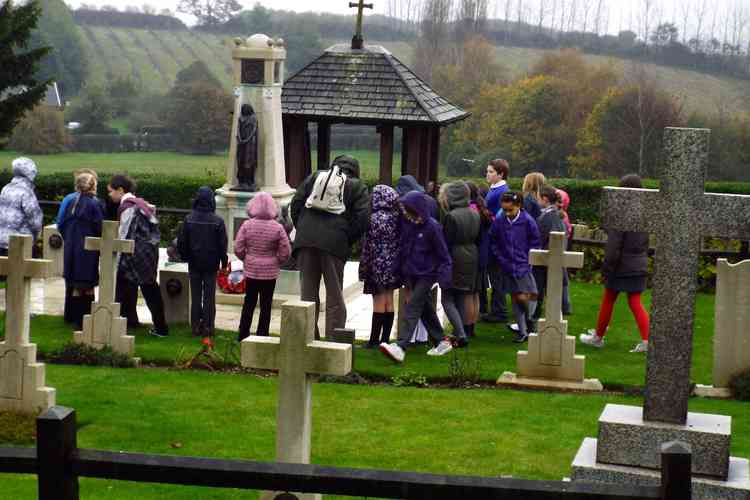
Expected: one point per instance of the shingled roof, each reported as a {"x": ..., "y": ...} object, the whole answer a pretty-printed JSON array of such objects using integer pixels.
[{"x": 367, "y": 86}]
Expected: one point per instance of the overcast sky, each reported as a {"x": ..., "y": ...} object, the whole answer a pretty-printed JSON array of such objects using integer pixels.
[{"x": 623, "y": 13}]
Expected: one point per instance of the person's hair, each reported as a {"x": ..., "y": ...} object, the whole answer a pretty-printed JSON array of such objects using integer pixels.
[
  {"x": 442, "y": 197},
  {"x": 86, "y": 183},
  {"x": 122, "y": 181},
  {"x": 512, "y": 197},
  {"x": 477, "y": 198},
  {"x": 631, "y": 181},
  {"x": 550, "y": 193},
  {"x": 501, "y": 167},
  {"x": 84, "y": 170},
  {"x": 533, "y": 183}
]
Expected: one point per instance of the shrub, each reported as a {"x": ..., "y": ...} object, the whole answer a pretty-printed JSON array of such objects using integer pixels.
[
  {"x": 198, "y": 113},
  {"x": 740, "y": 386},
  {"x": 41, "y": 131},
  {"x": 81, "y": 354},
  {"x": 409, "y": 379}
]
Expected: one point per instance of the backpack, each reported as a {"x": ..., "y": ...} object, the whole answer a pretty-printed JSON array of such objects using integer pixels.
[{"x": 328, "y": 191}]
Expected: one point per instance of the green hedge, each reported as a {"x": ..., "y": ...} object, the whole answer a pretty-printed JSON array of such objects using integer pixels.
[{"x": 124, "y": 143}]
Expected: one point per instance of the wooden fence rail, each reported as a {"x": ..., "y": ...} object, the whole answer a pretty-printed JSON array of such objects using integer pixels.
[{"x": 58, "y": 463}]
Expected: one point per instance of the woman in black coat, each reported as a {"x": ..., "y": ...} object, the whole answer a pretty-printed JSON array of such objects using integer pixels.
[
  {"x": 83, "y": 217},
  {"x": 625, "y": 269}
]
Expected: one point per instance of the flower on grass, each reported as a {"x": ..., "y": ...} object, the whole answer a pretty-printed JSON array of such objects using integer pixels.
[{"x": 207, "y": 343}]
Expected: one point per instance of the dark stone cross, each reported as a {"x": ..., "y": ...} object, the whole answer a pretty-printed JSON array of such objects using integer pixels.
[
  {"x": 680, "y": 215},
  {"x": 357, "y": 40}
]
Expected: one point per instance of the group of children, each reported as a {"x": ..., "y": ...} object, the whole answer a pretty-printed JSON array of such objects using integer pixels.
[
  {"x": 481, "y": 238},
  {"x": 460, "y": 241}
]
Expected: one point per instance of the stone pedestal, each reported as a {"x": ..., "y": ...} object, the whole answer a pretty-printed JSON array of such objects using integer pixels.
[
  {"x": 174, "y": 283},
  {"x": 627, "y": 450},
  {"x": 53, "y": 249},
  {"x": 22, "y": 380},
  {"x": 105, "y": 327}
]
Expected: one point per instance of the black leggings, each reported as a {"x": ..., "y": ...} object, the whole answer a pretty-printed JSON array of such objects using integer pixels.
[{"x": 254, "y": 288}]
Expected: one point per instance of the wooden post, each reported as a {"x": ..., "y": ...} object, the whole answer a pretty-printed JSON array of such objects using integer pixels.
[
  {"x": 404, "y": 150},
  {"x": 676, "y": 480},
  {"x": 386, "y": 154},
  {"x": 324, "y": 145},
  {"x": 296, "y": 150},
  {"x": 56, "y": 444},
  {"x": 434, "y": 159},
  {"x": 425, "y": 153}
]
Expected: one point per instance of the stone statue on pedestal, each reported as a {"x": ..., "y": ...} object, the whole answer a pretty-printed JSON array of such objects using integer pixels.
[{"x": 247, "y": 149}]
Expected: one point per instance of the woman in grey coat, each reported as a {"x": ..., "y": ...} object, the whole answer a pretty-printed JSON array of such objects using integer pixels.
[
  {"x": 19, "y": 208},
  {"x": 461, "y": 226}
]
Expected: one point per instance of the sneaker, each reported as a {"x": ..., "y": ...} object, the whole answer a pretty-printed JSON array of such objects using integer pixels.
[
  {"x": 520, "y": 338},
  {"x": 640, "y": 347},
  {"x": 460, "y": 342},
  {"x": 591, "y": 339},
  {"x": 513, "y": 327},
  {"x": 393, "y": 351},
  {"x": 444, "y": 347},
  {"x": 156, "y": 333}
]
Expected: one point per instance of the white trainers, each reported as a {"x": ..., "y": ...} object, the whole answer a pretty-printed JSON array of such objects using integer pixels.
[
  {"x": 591, "y": 339},
  {"x": 393, "y": 351},
  {"x": 444, "y": 347},
  {"x": 514, "y": 327},
  {"x": 640, "y": 347}
]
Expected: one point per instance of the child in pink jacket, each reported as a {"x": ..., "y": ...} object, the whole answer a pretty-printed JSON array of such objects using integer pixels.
[{"x": 263, "y": 246}]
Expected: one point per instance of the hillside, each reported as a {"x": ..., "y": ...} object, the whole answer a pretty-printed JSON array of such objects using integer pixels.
[{"x": 155, "y": 57}]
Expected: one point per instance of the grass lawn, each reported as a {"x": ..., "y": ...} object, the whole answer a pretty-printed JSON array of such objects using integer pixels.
[
  {"x": 484, "y": 432},
  {"x": 172, "y": 163},
  {"x": 491, "y": 353}
]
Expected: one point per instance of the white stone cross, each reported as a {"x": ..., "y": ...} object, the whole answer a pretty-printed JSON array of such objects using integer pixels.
[
  {"x": 104, "y": 326},
  {"x": 553, "y": 328},
  {"x": 108, "y": 246},
  {"x": 296, "y": 355},
  {"x": 551, "y": 359},
  {"x": 21, "y": 377},
  {"x": 680, "y": 215}
]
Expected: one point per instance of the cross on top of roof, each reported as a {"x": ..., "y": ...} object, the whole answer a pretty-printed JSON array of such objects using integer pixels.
[{"x": 357, "y": 40}]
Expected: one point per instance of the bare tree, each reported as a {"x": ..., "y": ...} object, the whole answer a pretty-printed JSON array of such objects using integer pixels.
[
  {"x": 585, "y": 10},
  {"x": 686, "y": 8},
  {"x": 543, "y": 11},
  {"x": 508, "y": 13},
  {"x": 520, "y": 14},
  {"x": 573, "y": 15},
  {"x": 598, "y": 16},
  {"x": 739, "y": 22},
  {"x": 645, "y": 14}
]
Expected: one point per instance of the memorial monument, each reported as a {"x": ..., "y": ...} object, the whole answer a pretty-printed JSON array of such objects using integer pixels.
[{"x": 256, "y": 152}]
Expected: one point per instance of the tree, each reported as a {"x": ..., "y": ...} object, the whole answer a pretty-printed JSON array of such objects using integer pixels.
[
  {"x": 18, "y": 66},
  {"x": 197, "y": 72},
  {"x": 123, "y": 90},
  {"x": 42, "y": 131},
  {"x": 210, "y": 13},
  {"x": 199, "y": 115},
  {"x": 94, "y": 110},
  {"x": 67, "y": 63}
]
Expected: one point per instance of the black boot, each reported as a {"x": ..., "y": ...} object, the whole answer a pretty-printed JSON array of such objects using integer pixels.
[
  {"x": 387, "y": 326},
  {"x": 377, "y": 326}
]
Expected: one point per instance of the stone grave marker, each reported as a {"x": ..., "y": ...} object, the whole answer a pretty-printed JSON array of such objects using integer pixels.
[
  {"x": 551, "y": 359},
  {"x": 731, "y": 332},
  {"x": 53, "y": 249},
  {"x": 297, "y": 356},
  {"x": 679, "y": 215},
  {"x": 174, "y": 283},
  {"x": 104, "y": 326},
  {"x": 21, "y": 377}
]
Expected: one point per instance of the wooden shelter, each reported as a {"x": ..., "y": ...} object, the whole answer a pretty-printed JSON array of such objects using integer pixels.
[{"x": 367, "y": 86}]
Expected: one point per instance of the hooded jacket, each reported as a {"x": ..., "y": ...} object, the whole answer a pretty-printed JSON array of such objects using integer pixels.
[
  {"x": 138, "y": 222},
  {"x": 511, "y": 242},
  {"x": 424, "y": 253},
  {"x": 331, "y": 233},
  {"x": 407, "y": 183},
  {"x": 565, "y": 203},
  {"x": 626, "y": 254},
  {"x": 202, "y": 240},
  {"x": 19, "y": 209},
  {"x": 261, "y": 242},
  {"x": 380, "y": 260},
  {"x": 461, "y": 225}
]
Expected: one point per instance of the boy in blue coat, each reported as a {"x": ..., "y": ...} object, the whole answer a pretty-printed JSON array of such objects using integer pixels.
[{"x": 512, "y": 237}]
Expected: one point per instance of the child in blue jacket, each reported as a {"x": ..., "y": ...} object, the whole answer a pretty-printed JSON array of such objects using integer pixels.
[{"x": 513, "y": 235}]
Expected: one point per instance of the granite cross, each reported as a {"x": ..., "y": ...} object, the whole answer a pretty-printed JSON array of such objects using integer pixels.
[
  {"x": 553, "y": 328},
  {"x": 679, "y": 215},
  {"x": 296, "y": 355},
  {"x": 108, "y": 246},
  {"x": 357, "y": 40},
  {"x": 21, "y": 377}
]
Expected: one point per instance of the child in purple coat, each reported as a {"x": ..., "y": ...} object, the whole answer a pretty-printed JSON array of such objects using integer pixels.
[
  {"x": 424, "y": 261},
  {"x": 513, "y": 235},
  {"x": 380, "y": 261}
]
